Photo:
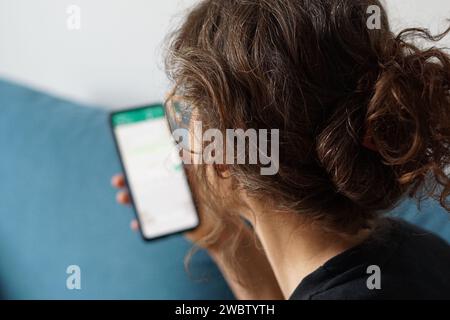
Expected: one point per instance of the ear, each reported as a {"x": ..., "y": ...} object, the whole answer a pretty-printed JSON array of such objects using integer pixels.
[{"x": 223, "y": 170}]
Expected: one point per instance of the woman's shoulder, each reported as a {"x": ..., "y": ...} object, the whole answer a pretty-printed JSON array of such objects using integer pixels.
[{"x": 398, "y": 261}]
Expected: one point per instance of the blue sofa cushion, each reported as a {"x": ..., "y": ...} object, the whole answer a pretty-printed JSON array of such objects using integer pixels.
[{"x": 57, "y": 209}]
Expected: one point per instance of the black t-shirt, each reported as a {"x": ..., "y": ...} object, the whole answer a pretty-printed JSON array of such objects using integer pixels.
[{"x": 398, "y": 261}]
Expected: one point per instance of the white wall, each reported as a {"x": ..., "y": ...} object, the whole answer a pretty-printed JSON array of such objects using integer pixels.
[
  {"x": 430, "y": 14},
  {"x": 115, "y": 58}
]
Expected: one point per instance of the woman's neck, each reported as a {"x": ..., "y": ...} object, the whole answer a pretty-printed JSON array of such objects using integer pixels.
[{"x": 296, "y": 249}]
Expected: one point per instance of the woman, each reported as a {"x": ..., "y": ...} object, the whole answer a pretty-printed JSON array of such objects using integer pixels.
[{"x": 364, "y": 120}]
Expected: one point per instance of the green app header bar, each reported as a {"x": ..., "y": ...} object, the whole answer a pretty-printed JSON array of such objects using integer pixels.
[{"x": 138, "y": 115}]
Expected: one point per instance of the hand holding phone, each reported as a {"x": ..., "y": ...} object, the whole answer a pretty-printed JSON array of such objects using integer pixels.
[
  {"x": 205, "y": 227},
  {"x": 158, "y": 188}
]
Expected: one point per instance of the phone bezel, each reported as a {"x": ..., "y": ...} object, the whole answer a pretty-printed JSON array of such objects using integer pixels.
[{"x": 122, "y": 165}]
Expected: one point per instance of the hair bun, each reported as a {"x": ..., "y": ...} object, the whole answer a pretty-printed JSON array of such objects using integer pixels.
[{"x": 409, "y": 114}]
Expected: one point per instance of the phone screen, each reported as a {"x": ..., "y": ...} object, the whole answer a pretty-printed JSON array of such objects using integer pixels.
[{"x": 154, "y": 172}]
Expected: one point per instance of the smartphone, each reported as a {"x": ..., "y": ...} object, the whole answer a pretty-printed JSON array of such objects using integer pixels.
[{"x": 155, "y": 176}]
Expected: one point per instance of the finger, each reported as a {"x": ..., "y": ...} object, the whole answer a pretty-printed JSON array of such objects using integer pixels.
[
  {"x": 123, "y": 197},
  {"x": 118, "y": 181},
  {"x": 134, "y": 225}
]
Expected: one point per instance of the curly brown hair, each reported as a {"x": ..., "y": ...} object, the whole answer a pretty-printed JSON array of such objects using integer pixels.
[{"x": 315, "y": 71}]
